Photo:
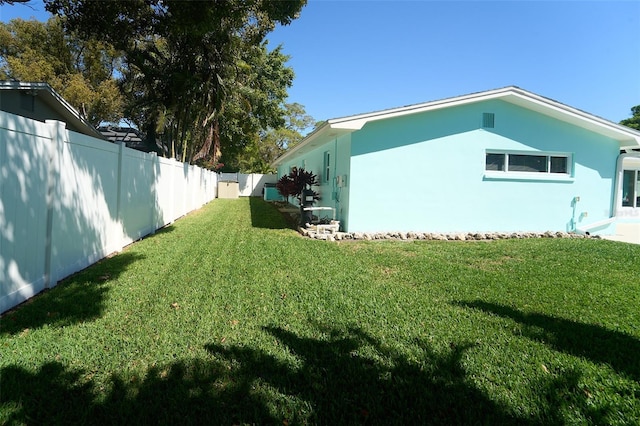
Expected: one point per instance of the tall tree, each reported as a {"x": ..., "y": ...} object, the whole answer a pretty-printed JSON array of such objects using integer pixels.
[
  {"x": 271, "y": 143},
  {"x": 634, "y": 121},
  {"x": 186, "y": 62},
  {"x": 81, "y": 71},
  {"x": 255, "y": 101}
]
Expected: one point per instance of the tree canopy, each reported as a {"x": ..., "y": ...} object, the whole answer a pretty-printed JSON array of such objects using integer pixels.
[
  {"x": 196, "y": 74},
  {"x": 271, "y": 143},
  {"x": 634, "y": 121},
  {"x": 81, "y": 71}
]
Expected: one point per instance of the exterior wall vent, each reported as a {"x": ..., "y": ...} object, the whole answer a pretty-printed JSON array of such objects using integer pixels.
[{"x": 488, "y": 120}]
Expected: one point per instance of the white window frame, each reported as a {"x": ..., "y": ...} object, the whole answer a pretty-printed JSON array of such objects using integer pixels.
[
  {"x": 525, "y": 175},
  {"x": 636, "y": 192}
]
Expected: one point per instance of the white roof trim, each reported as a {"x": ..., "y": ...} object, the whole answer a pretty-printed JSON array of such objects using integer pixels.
[
  {"x": 356, "y": 122},
  {"x": 627, "y": 137},
  {"x": 312, "y": 140},
  {"x": 70, "y": 114}
]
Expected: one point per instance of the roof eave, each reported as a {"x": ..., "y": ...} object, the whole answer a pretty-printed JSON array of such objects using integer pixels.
[
  {"x": 314, "y": 139},
  {"x": 626, "y": 137},
  {"x": 574, "y": 116},
  {"x": 356, "y": 122},
  {"x": 57, "y": 102}
]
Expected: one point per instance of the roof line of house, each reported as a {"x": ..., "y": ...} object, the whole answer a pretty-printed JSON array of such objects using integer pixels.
[
  {"x": 357, "y": 120},
  {"x": 513, "y": 94},
  {"x": 36, "y": 87}
]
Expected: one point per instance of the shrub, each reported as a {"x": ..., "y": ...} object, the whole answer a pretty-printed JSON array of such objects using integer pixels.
[{"x": 295, "y": 182}]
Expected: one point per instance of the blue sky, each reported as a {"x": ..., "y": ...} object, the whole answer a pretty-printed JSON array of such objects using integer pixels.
[{"x": 352, "y": 57}]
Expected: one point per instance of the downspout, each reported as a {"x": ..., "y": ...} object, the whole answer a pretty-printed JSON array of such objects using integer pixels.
[
  {"x": 618, "y": 185},
  {"x": 336, "y": 188},
  {"x": 616, "y": 196}
]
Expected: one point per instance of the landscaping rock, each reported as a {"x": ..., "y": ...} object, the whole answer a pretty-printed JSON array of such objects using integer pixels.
[{"x": 460, "y": 236}]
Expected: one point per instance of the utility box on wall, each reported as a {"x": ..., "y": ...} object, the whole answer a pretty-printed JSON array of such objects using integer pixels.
[{"x": 228, "y": 190}]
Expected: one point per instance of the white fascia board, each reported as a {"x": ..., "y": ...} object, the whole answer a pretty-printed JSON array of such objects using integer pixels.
[
  {"x": 319, "y": 136},
  {"x": 356, "y": 122},
  {"x": 72, "y": 113},
  {"x": 627, "y": 137},
  {"x": 55, "y": 101}
]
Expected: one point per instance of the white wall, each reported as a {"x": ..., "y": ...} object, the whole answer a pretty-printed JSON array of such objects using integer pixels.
[
  {"x": 251, "y": 185},
  {"x": 68, "y": 200}
]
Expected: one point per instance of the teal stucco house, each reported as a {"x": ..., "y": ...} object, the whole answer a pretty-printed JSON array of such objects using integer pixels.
[{"x": 504, "y": 160}]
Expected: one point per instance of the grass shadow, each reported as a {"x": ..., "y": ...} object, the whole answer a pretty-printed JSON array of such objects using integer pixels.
[
  {"x": 265, "y": 215},
  {"x": 76, "y": 299},
  {"x": 352, "y": 378},
  {"x": 183, "y": 392},
  {"x": 51, "y": 395},
  {"x": 593, "y": 342},
  {"x": 348, "y": 378}
]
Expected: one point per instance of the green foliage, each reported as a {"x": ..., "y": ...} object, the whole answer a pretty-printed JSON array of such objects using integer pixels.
[
  {"x": 634, "y": 121},
  {"x": 81, "y": 71},
  {"x": 198, "y": 74},
  {"x": 229, "y": 317},
  {"x": 255, "y": 102},
  {"x": 266, "y": 146}
]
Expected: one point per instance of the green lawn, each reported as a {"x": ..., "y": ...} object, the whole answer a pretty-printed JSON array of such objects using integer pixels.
[{"x": 229, "y": 317}]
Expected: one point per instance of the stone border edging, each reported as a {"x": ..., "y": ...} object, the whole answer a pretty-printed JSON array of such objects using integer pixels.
[{"x": 432, "y": 236}]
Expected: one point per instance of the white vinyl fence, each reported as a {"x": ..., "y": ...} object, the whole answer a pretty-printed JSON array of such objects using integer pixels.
[
  {"x": 249, "y": 185},
  {"x": 67, "y": 200}
]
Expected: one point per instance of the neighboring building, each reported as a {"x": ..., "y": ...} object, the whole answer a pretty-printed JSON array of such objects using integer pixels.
[
  {"x": 501, "y": 160},
  {"x": 40, "y": 102},
  {"x": 132, "y": 138}
]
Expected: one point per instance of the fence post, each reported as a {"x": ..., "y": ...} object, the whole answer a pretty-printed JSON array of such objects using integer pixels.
[
  {"x": 121, "y": 146},
  {"x": 155, "y": 202},
  {"x": 172, "y": 186},
  {"x": 56, "y": 129},
  {"x": 254, "y": 184}
]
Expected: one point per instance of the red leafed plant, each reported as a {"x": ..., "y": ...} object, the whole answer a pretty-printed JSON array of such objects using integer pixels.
[{"x": 295, "y": 182}]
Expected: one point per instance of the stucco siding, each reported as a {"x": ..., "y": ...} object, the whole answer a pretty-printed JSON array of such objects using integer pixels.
[
  {"x": 426, "y": 172},
  {"x": 332, "y": 193}
]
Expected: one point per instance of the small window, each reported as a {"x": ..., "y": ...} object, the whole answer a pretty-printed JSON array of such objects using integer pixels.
[
  {"x": 495, "y": 162},
  {"x": 327, "y": 166},
  {"x": 631, "y": 188},
  {"x": 516, "y": 162},
  {"x": 559, "y": 165},
  {"x": 527, "y": 163}
]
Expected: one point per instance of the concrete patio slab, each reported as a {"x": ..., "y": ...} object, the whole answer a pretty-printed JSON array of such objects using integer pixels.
[{"x": 626, "y": 233}]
